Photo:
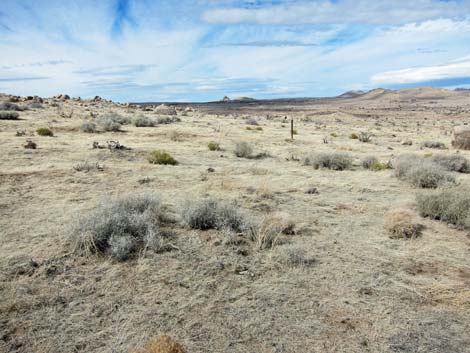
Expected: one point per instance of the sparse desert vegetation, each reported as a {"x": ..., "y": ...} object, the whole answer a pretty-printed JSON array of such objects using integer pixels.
[{"x": 140, "y": 222}]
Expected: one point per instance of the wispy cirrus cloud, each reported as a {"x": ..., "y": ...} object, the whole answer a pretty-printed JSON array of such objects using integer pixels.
[
  {"x": 459, "y": 69},
  {"x": 204, "y": 49},
  {"x": 346, "y": 11}
]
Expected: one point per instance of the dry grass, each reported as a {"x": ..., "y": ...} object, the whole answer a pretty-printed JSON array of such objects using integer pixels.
[
  {"x": 329, "y": 280},
  {"x": 402, "y": 223},
  {"x": 161, "y": 344}
]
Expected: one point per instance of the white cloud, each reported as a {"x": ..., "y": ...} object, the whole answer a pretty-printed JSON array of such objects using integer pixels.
[
  {"x": 346, "y": 11},
  {"x": 422, "y": 74}
]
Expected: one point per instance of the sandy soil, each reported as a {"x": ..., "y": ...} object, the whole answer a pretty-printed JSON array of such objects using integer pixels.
[{"x": 364, "y": 292}]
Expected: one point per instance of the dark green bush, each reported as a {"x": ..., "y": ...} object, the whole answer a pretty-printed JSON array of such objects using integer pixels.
[
  {"x": 44, "y": 131},
  {"x": 161, "y": 157},
  {"x": 213, "y": 146}
]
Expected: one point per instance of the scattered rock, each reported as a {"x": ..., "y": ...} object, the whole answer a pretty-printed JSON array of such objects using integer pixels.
[
  {"x": 30, "y": 145},
  {"x": 312, "y": 191},
  {"x": 407, "y": 142},
  {"x": 164, "y": 109}
]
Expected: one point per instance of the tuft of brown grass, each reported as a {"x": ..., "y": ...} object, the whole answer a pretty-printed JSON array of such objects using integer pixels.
[
  {"x": 401, "y": 223},
  {"x": 161, "y": 344}
]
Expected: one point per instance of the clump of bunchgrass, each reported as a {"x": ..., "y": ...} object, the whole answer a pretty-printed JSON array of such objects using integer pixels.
[{"x": 401, "y": 223}]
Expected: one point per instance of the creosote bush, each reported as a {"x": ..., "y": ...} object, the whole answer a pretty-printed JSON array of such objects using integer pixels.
[
  {"x": 9, "y": 115},
  {"x": 329, "y": 160},
  {"x": 143, "y": 121},
  {"x": 120, "y": 227},
  {"x": 354, "y": 136},
  {"x": 401, "y": 223},
  {"x": 44, "y": 131},
  {"x": 433, "y": 144},
  {"x": 88, "y": 127},
  {"x": 421, "y": 172},
  {"x": 449, "y": 205},
  {"x": 161, "y": 157},
  {"x": 213, "y": 146}
]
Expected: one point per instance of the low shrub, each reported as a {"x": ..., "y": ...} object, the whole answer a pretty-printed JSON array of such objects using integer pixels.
[
  {"x": 251, "y": 121},
  {"x": 9, "y": 115},
  {"x": 143, "y": 121},
  {"x": 213, "y": 146},
  {"x": 44, "y": 131},
  {"x": 165, "y": 120},
  {"x": 364, "y": 136},
  {"x": 119, "y": 227},
  {"x": 117, "y": 118},
  {"x": 243, "y": 150},
  {"x": 109, "y": 125},
  {"x": 259, "y": 128},
  {"x": 334, "y": 134},
  {"x": 88, "y": 127},
  {"x": 10, "y": 106},
  {"x": 249, "y": 128},
  {"x": 368, "y": 161},
  {"x": 401, "y": 223},
  {"x": 87, "y": 166},
  {"x": 212, "y": 214},
  {"x": 329, "y": 160},
  {"x": 161, "y": 157},
  {"x": 421, "y": 172},
  {"x": 453, "y": 163},
  {"x": 451, "y": 206},
  {"x": 354, "y": 136},
  {"x": 433, "y": 144}
]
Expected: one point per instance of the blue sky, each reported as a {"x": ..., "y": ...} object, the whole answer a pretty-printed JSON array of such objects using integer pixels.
[{"x": 201, "y": 50}]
